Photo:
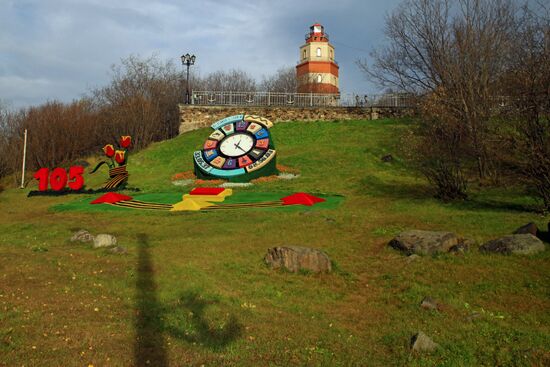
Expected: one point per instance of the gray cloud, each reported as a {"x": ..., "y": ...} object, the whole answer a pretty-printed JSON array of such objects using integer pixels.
[{"x": 58, "y": 49}]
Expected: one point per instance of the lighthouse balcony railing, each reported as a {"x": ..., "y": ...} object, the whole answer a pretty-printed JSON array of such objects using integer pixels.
[
  {"x": 309, "y": 35},
  {"x": 302, "y": 100}
]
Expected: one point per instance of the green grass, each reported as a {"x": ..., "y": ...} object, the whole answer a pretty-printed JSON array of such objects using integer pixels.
[{"x": 194, "y": 290}]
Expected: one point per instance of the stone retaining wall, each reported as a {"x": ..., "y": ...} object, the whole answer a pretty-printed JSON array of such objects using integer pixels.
[{"x": 193, "y": 117}]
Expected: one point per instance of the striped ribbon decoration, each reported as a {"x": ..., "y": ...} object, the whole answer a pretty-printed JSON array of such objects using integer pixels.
[
  {"x": 118, "y": 176},
  {"x": 136, "y": 204}
]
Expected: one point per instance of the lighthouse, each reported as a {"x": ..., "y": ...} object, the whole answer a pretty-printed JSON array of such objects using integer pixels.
[{"x": 317, "y": 72}]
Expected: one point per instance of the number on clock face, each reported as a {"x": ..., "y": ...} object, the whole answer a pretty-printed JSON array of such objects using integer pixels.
[{"x": 236, "y": 145}]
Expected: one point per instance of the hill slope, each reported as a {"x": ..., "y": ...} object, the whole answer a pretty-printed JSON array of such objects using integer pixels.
[{"x": 193, "y": 288}]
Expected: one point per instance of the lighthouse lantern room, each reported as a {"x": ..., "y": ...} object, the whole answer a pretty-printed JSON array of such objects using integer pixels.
[{"x": 317, "y": 72}]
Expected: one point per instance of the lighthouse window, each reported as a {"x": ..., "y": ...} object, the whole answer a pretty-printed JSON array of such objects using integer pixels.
[
  {"x": 319, "y": 78},
  {"x": 318, "y": 51},
  {"x": 331, "y": 54},
  {"x": 304, "y": 54}
]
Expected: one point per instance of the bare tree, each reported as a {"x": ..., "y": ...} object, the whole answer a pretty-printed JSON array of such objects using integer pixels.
[
  {"x": 141, "y": 100},
  {"x": 283, "y": 80},
  {"x": 9, "y": 123},
  {"x": 454, "y": 52},
  {"x": 527, "y": 83},
  {"x": 233, "y": 80}
]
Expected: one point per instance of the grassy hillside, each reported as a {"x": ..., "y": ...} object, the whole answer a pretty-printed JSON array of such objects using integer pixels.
[{"x": 193, "y": 289}]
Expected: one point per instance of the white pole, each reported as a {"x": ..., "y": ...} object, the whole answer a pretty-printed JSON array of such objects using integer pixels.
[{"x": 24, "y": 159}]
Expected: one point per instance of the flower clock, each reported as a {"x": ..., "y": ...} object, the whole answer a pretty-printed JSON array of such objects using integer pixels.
[
  {"x": 118, "y": 175},
  {"x": 240, "y": 149}
]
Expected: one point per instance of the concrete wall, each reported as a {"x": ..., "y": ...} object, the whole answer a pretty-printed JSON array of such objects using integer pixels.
[{"x": 193, "y": 117}]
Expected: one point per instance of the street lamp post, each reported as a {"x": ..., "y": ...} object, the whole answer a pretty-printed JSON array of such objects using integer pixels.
[{"x": 187, "y": 60}]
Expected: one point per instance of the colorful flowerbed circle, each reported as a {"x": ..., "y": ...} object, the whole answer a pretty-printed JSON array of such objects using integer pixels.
[{"x": 240, "y": 149}]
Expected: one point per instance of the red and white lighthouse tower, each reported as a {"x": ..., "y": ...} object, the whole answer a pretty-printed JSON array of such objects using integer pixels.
[{"x": 317, "y": 72}]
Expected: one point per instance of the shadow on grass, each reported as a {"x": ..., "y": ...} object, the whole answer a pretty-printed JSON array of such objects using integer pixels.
[
  {"x": 392, "y": 188},
  {"x": 149, "y": 345},
  {"x": 494, "y": 205},
  {"x": 189, "y": 313},
  {"x": 193, "y": 326}
]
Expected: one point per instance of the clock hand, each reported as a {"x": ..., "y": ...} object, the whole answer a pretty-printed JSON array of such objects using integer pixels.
[{"x": 238, "y": 146}]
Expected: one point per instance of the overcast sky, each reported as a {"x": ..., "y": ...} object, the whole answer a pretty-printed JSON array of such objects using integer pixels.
[{"x": 59, "y": 49}]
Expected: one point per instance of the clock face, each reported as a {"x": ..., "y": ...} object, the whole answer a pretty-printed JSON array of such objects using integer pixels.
[{"x": 239, "y": 145}]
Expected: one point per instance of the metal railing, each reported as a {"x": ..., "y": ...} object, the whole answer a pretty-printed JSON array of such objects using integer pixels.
[
  {"x": 276, "y": 99},
  {"x": 309, "y": 34}
]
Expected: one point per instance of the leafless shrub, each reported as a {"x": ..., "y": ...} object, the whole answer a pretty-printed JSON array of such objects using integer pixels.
[
  {"x": 283, "y": 80},
  {"x": 437, "y": 147},
  {"x": 233, "y": 80},
  {"x": 527, "y": 83},
  {"x": 141, "y": 100},
  {"x": 455, "y": 53},
  {"x": 58, "y": 133},
  {"x": 8, "y": 125}
]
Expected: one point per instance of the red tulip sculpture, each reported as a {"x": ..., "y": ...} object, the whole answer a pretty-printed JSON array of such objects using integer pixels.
[
  {"x": 109, "y": 150},
  {"x": 120, "y": 157},
  {"x": 125, "y": 141},
  {"x": 118, "y": 176}
]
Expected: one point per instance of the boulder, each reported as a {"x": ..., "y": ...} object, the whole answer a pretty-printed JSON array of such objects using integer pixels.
[
  {"x": 82, "y": 236},
  {"x": 521, "y": 244},
  {"x": 387, "y": 158},
  {"x": 425, "y": 242},
  {"x": 421, "y": 343},
  {"x": 294, "y": 258},
  {"x": 530, "y": 228},
  {"x": 104, "y": 240}
]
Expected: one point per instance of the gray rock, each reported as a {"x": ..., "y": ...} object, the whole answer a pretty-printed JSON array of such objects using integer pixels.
[
  {"x": 421, "y": 343},
  {"x": 104, "y": 240},
  {"x": 387, "y": 158},
  {"x": 294, "y": 258},
  {"x": 429, "y": 303},
  {"x": 82, "y": 236},
  {"x": 530, "y": 228},
  {"x": 425, "y": 242},
  {"x": 119, "y": 250},
  {"x": 520, "y": 244}
]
